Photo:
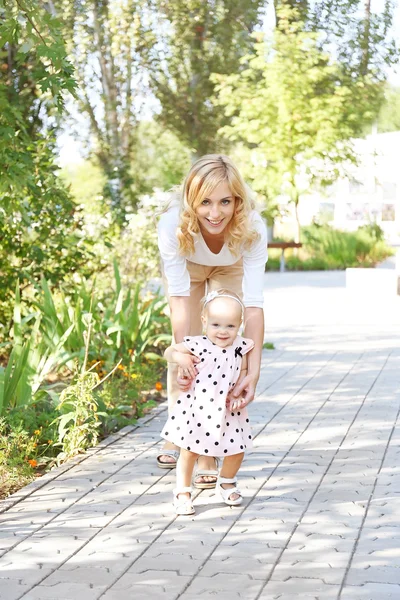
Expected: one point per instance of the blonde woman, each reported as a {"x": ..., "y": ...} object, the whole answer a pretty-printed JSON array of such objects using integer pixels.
[{"x": 212, "y": 237}]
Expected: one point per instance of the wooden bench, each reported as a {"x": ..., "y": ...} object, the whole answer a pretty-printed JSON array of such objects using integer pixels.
[{"x": 283, "y": 246}]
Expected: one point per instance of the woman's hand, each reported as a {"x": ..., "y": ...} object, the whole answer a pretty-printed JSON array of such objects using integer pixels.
[{"x": 243, "y": 393}]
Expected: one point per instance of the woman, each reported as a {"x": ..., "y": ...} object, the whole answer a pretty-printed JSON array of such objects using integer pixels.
[{"x": 212, "y": 238}]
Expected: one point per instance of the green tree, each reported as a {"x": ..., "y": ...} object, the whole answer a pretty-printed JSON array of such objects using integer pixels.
[
  {"x": 297, "y": 109},
  {"x": 389, "y": 115},
  {"x": 182, "y": 44},
  {"x": 40, "y": 228},
  {"x": 101, "y": 38}
]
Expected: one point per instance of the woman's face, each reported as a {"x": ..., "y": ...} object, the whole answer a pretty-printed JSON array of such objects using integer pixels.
[{"x": 216, "y": 211}]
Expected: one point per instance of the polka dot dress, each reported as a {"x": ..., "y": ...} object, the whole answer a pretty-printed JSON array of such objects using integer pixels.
[{"x": 200, "y": 421}]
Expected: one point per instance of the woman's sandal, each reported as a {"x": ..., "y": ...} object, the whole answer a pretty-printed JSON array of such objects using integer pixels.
[
  {"x": 206, "y": 485},
  {"x": 167, "y": 465},
  {"x": 183, "y": 505},
  {"x": 226, "y": 494}
]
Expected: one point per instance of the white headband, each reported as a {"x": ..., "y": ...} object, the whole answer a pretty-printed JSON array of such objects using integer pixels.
[{"x": 212, "y": 295}]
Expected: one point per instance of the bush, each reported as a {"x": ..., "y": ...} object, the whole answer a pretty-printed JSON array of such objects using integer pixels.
[{"x": 342, "y": 249}]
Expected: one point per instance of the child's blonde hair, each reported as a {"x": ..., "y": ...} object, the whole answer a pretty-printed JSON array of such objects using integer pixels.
[
  {"x": 221, "y": 292},
  {"x": 204, "y": 176}
]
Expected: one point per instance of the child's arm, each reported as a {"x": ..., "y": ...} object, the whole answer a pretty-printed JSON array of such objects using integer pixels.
[{"x": 179, "y": 354}]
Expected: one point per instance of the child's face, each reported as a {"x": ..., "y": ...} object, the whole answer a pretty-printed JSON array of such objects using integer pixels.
[{"x": 222, "y": 320}]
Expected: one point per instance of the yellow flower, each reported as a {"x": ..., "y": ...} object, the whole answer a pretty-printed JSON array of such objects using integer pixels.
[
  {"x": 33, "y": 462},
  {"x": 34, "y": 444},
  {"x": 49, "y": 442},
  {"x": 158, "y": 386},
  {"x": 37, "y": 432},
  {"x": 134, "y": 376}
]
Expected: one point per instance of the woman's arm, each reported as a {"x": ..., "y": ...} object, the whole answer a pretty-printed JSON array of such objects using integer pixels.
[
  {"x": 180, "y": 316},
  {"x": 254, "y": 329}
]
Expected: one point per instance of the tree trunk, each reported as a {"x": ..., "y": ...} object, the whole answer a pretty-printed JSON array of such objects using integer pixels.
[{"x": 365, "y": 41}]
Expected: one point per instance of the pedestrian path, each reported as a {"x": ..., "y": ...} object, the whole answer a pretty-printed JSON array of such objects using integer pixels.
[{"x": 322, "y": 484}]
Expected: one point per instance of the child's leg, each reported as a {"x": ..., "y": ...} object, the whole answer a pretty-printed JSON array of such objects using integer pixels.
[
  {"x": 230, "y": 467},
  {"x": 184, "y": 469}
]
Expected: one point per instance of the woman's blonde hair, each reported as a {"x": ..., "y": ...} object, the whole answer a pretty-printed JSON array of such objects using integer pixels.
[{"x": 204, "y": 176}]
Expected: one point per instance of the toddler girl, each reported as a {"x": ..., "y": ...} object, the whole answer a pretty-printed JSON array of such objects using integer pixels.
[{"x": 205, "y": 419}]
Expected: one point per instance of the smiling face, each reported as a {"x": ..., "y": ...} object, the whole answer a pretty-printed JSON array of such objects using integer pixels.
[
  {"x": 221, "y": 319},
  {"x": 216, "y": 211}
]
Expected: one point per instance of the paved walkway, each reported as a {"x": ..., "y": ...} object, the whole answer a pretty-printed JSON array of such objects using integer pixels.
[{"x": 322, "y": 484}]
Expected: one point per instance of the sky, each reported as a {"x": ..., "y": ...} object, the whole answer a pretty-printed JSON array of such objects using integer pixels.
[{"x": 70, "y": 148}]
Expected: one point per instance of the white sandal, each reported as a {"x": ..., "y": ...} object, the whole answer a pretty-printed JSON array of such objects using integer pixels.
[
  {"x": 225, "y": 494},
  {"x": 167, "y": 465},
  {"x": 206, "y": 473},
  {"x": 183, "y": 506}
]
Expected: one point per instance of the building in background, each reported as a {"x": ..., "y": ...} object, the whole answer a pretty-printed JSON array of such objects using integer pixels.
[{"x": 369, "y": 193}]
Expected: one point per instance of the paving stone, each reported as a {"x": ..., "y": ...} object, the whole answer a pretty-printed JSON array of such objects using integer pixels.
[{"x": 371, "y": 591}]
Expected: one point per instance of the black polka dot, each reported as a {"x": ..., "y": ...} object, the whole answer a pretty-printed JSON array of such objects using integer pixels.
[
  {"x": 227, "y": 424},
  {"x": 209, "y": 417},
  {"x": 249, "y": 437},
  {"x": 204, "y": 337},
  {"x": 202, "y": 360},
  {"x": 215, "y": 360},
  {"x": 191, "y": 431},
  {"x": 204, "y": 391},
  {"x": 206, "y": 451},
  {"x": 166, "y": 433},
  {"x": 223, "y": 376},
  {"x": 200, "y": 353},
  {"x": 188, "y": 396},
  {"x": 224, "y": 351},
  {"x": 216, "y": 443},
  {"x": 198, "y": 424},
  {"x": 197, "y": 441},
  {"x": 239, "y": 413},
  {"x": 179, "y": 402},
  {"x": 182, "y": 438},
  {"x": 222, "y": 391},
  {"x": 231, "y": 441},
  {"x": 188, "y": 448},
  {"x": 178, "y": 428},
  {"x": 219, "y": 366},
  {"x": 205, "y": 350},
  {"x": 192, "y": 349},
  {"x": 208, "y": 433},
  {"x": 247, "y": 420},
  {"x": 232, "y": 414},
  {"x": 201, "y": 407},
  {"x": 218, "y": 427},
  {"x": 215, "y": 382},
  {"x": 172, "y": 418},
  {"x": 184, "y": 412},
  {"x": 220, "y": 408},
  {"x": 210, "y": 375},
  {"x": 237, "y": 430},
  {"x": 241, "y": 447},
  {"x": 225, "y": 451},
  {"x": 187, "y": 422},
  {"x": 197, "y": 380}
]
